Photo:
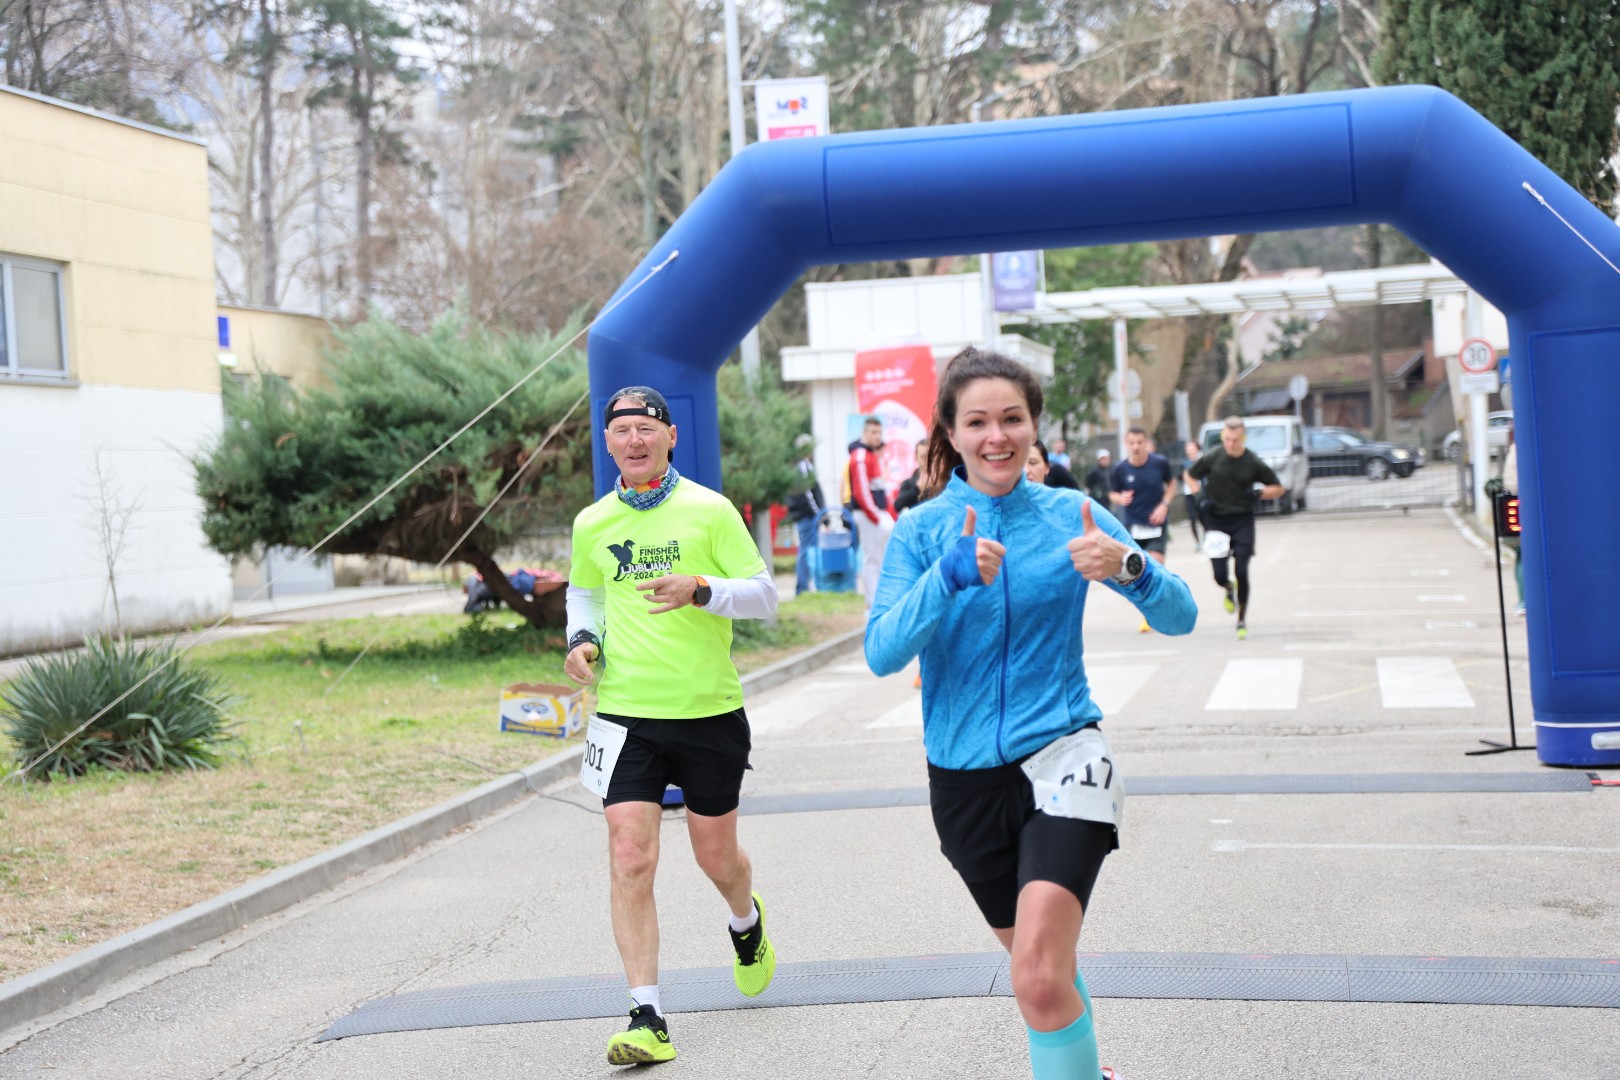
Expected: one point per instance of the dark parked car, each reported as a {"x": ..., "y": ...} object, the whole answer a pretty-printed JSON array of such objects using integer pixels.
[{"x": 1338, "y": 451}]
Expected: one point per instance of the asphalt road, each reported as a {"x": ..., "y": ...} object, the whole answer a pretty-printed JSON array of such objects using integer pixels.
[{"x": 1373, "y": 649}]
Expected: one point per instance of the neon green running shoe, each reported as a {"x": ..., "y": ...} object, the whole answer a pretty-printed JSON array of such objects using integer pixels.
[
  {"x": 645, "y": 1042},
  {"x": 1229, "y": 601},
  {"x": 1243, "y": 632},
  {"x": 755, "y": 965}
]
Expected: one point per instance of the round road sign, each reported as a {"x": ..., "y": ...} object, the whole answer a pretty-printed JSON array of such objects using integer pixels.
[{"x": 1476, "y": 356}]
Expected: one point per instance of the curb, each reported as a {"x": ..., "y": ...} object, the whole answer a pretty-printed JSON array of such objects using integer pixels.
[{"x": 34, "y": 995}]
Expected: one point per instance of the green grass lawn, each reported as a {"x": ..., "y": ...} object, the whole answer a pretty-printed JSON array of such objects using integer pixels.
[{"x": 324, "y": 757}]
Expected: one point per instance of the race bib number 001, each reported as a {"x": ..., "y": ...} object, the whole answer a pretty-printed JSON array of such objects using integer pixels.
[
  {"x": 1075, "y": 777},
  {"x": 603, "y": 741}
]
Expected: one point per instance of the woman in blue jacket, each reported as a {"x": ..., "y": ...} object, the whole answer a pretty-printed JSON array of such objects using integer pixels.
[{"x": 987, "y": 582}]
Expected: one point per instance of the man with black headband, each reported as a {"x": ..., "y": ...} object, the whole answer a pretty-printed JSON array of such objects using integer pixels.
[{"x": 661, "y": 565}]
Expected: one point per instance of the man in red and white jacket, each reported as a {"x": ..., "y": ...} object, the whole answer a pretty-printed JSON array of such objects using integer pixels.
[{"x": 869, "y": 499}]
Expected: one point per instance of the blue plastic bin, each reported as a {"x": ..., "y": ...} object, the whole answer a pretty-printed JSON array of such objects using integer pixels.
[{"x": 834, "y": 556}]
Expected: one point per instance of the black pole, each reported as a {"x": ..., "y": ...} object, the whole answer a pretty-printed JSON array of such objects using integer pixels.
[{"x": 1501, "y": 614}]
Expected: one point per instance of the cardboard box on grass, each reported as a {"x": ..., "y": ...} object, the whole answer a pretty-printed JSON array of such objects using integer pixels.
[{"x": 543, "y": 709}]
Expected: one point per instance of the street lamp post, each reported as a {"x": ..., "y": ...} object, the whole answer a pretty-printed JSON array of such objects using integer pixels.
[{"x": 739, "y": 138}]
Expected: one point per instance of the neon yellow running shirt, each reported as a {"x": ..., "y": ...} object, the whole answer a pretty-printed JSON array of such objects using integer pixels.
[{"x": 676, "y": 665}]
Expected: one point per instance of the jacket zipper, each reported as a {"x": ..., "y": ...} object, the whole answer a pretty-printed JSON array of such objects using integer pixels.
[{"x": 1006, "y": 634}]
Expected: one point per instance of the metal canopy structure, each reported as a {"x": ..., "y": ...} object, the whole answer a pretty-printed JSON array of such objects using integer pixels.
[{"x": 1344, "y": 288}]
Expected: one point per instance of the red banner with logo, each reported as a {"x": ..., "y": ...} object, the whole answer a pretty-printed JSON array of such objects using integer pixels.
[{"x": 898, "y": 386}]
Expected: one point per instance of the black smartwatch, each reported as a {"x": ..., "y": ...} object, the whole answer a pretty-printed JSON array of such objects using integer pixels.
[
  {"x": 585, "y": 637},
  {"x": 702, "y": 594},
  {"x": 1134, "y": 565}
]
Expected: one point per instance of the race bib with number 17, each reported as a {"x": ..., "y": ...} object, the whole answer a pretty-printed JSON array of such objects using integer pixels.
[{"x": 1075, "y": 777}]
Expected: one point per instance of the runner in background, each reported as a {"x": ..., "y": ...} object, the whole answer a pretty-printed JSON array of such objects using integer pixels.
[
  {"x": 1229, "y": 477},
  {"x": 1141, "y": 489}
]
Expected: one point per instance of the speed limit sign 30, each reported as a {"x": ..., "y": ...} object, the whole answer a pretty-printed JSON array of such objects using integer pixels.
[{"x": 1476, "y": 356}]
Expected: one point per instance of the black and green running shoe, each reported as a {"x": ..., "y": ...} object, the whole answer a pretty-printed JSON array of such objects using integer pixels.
[
  {"x": 755, "y": 965},
  {"x": 645, "y": 1041}
]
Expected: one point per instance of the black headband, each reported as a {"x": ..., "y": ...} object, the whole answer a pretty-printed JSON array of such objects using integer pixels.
[{"x": 643, "y": 410}]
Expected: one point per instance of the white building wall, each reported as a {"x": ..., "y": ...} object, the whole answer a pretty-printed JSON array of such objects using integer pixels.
[
  {"x": 1448, "y": 317},
  {"x": 53, "y": 579}
]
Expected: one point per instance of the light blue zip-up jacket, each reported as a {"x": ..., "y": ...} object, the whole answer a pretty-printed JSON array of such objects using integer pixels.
[{"x": 1002, "y": 670}]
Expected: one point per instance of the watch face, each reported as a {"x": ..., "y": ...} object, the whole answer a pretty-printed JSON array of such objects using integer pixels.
[{"x": 1133, "y": 563}]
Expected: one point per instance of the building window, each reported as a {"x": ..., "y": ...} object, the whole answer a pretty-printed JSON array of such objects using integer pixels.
[{"x": 33, "y": 336}]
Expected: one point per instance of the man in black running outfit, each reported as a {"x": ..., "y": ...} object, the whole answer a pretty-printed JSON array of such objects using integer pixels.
[{"x": 1230, "y": 497}]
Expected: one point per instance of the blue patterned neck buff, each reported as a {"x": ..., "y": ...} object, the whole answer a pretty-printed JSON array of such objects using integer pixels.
[{"x": 650, "y": 496}]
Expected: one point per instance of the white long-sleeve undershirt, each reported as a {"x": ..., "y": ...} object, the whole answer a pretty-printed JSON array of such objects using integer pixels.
[{"x": 731, "y": 598}]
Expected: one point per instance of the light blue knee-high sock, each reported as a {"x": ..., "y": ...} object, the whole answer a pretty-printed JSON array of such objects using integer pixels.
[
  {"x": 1069, "y": 1053},
  {"x": 1066, "y": 1054}
]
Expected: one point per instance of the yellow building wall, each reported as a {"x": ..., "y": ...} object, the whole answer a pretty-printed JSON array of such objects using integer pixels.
[
  {"x": 125, "y": 209},
  {"x": 288, "y": 344}
]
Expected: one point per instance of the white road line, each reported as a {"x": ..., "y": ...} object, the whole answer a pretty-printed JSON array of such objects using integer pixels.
[
  {"x": 1465, "y": 646},
  {"x": 1421, "y": 682},
  {"x": 849, "y": 669},
  {"x": 1450, "y": 624},
  {"x": 1129, "y": 654},
  {"x": 1377, "y": 585},
  {"x": 1437, "y": 598},
  {"x": 1257, "y": 684},
  {"x": 1542, "y": 849},
  {"x": 1114, "y": 685},
  {"x": 906, "y": 714},
  {"x": 1384, "y": 613}
]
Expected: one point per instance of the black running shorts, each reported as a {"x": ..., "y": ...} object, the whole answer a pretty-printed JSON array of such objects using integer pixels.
[
  {"x": 1240, "y": 527},
  {"x": 1156, "y": 543},
  {"x": 998, "y": 842},
  {"x": 705, "y": 757}
]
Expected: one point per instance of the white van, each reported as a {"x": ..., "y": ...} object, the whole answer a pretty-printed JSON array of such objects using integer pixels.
[{"x": 1280, "y": 443}]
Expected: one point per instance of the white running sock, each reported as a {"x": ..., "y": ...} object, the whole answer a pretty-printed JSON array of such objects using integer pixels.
[
  {"x": 647, "y": 995},
  {"x": 747, "y": 922}
]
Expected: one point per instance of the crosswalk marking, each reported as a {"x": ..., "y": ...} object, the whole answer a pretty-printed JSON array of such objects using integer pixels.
[
  {"x": 906, "y": 714},
  {"x": 1257, "y": 684},
  {"x": 1253, "y": 685},
  {"x": 1112, "y": 685},
  {"x": 1421, "y": 682}
]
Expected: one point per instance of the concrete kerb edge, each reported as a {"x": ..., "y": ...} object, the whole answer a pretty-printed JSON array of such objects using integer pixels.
[{"x": 29, "y": 997}]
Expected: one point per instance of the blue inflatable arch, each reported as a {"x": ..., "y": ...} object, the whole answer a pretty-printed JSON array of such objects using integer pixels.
[{"x": 1412, "y": 157}]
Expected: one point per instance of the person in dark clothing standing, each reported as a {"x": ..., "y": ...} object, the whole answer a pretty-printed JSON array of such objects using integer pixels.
[
  {"x": 1097, "y": 481},
  {"x": 804, "y": 507},
  {"x": 911, "y": 488},
  {"x": 1228, "y": 477}
]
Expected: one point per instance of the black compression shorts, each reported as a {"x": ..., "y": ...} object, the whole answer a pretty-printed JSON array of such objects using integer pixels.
[{"x": 998, "y": 842}]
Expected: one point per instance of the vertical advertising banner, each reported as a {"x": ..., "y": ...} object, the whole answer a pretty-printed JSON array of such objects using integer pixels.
[
  {"x": 1015, "y": 276},
  {"x": 791, "y": 108},
  {"x": 898, "y": 386}
]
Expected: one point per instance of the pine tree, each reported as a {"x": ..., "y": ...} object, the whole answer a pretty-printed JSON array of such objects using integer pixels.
[
  {"x": 293, "y": 465},
  {"x": 1546, "y": 73}
]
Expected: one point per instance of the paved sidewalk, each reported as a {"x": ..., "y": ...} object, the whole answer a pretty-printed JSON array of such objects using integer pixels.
[{"x": 522, "y": 894}]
